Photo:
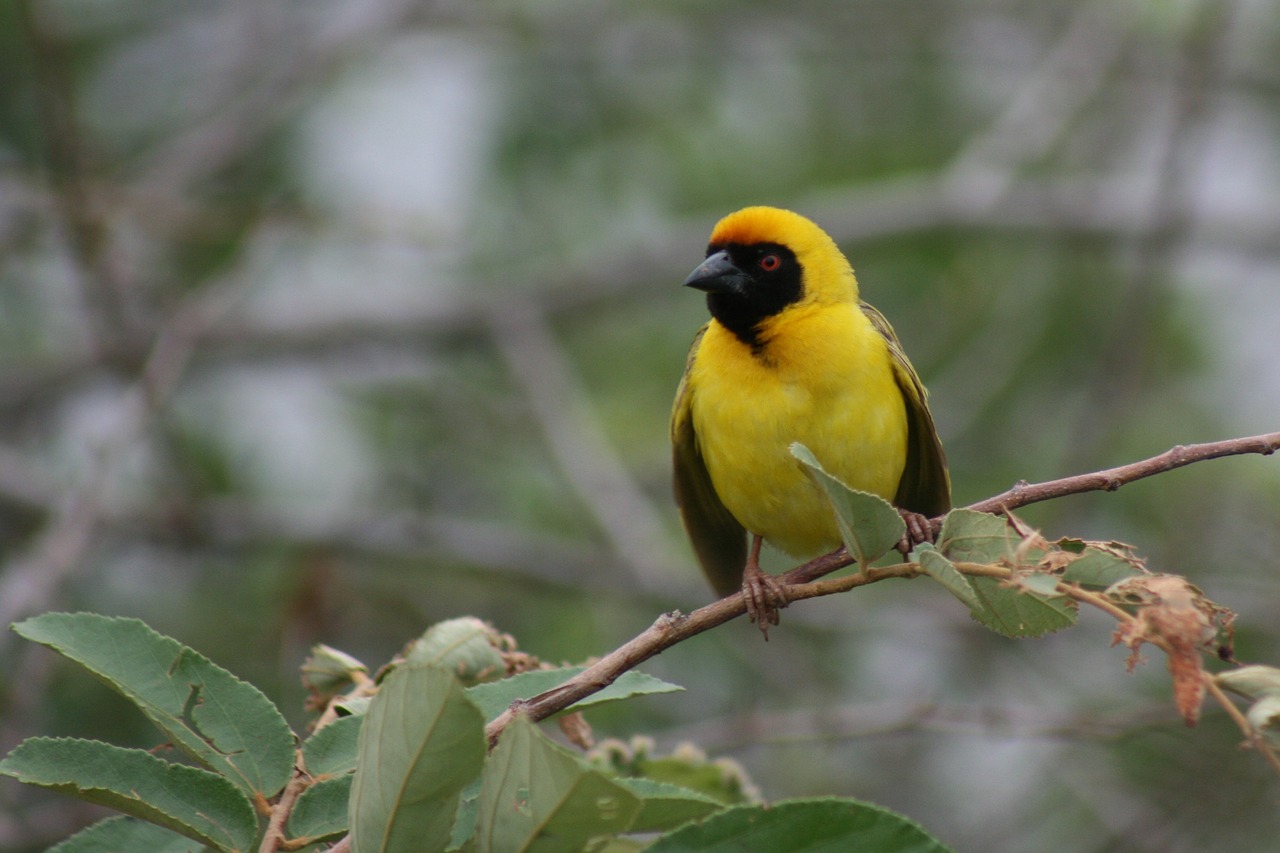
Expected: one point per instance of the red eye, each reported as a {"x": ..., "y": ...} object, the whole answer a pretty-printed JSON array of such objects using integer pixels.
[{"x": 769, "y": 263}]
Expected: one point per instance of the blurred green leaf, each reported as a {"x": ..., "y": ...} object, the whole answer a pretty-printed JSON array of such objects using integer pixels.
[
  {"x": 801, "y": 826},
  {"x": 321, "y": 810},
  {"x": 125, "y": 835},
  {"x": 225, "y": 724},
  {"x": 194, "y": 802},
  {"x": 537, "y": 796},
  {"x": 465, "y": 646},
  {"x": 495, "y": 696},
  {"x": 421, "y": 743},
  {"x": 332, "y": 750},
  {"x": 664, "y": 806},
  {"x": 328, "y": 671},
  {"x": 869, "y": 525}
]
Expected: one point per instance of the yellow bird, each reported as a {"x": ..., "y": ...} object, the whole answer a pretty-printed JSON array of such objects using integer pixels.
[{"x": 791, "y": 354}]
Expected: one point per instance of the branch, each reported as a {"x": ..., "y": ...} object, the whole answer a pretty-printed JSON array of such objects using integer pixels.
[
  {"x": 1112, "y": 479},
  {"x": 803, "y": 581}
]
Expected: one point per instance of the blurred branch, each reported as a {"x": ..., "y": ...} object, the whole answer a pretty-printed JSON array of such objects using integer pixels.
[
  {"x": 803, "y": 581},
  {"x": 101, "y": 284},
  {"x": 577, "y": 442},
  {"x": 30, "y": 583},
  {"x": 892, "y": 718}
]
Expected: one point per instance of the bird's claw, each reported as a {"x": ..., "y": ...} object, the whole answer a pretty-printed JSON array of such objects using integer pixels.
[
  {"x": 765, "y": 595},
  {"x": 919, "y": 531}
]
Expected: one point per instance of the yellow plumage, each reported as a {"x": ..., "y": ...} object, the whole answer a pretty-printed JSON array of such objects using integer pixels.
[{"x": 792, "y": 355}]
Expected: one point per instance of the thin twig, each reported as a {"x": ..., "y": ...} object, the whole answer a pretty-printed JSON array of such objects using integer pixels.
[
  {"x": 274, "y": 838},
  {"x": 1252, "y": 736},
  {"x": 1112, "y": 479}
]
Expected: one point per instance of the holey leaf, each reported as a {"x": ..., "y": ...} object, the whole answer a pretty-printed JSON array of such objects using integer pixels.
[
  {"x": 421, "y": 742},
  {"x": 187, "y": 800},
  {"x": 225, "y": 724},
  {"x": 869, "y": 525}
]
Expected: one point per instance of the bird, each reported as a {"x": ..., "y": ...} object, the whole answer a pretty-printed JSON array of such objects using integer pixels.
[{"x": 791, "y": 354}]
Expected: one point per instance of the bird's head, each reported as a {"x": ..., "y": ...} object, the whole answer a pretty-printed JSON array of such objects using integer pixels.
[{"x": 762, "y": 261}]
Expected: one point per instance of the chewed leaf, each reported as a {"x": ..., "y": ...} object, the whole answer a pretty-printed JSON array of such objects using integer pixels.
[
  {"x": 225, "y": 724},
  {"x": 869, "y": 525}
]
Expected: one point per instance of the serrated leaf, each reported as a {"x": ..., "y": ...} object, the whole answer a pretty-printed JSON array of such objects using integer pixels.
[
  {"x": 1253, "y": 682},
  {"x": 869, "y": 525},
  {"x": 332, "y": 750},
  {"x": 194, "y": 802},
  {"x": 126, "y": 834},
  {"x": 944, "y": 572},
  {"x": 976, "y": 537},
  {"x": 495, "y": 696},
  {"x": 421, "y": 743},
  {"x": 801, "y": 826},
  {"x": 465, "y": 646},
  {"x": 321, "y": 811},
  {"x": 537, "y": 796},
  {"x": 664, "y": 806},
  {"x": 1015, "y": 612},
  {"x": 223, "y": 723},
  {"x": 1100, "y": 568}
]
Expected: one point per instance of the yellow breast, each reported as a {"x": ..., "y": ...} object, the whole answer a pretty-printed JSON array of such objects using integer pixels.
[{"x": 824, "y": 379}]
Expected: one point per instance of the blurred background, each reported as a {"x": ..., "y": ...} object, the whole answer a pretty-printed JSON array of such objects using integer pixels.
[{"x": 325, "y": 321}]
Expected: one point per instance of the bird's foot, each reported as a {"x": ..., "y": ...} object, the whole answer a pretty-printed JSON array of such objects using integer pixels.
[
  {"x": 919, "y": 531},
  {"x": 764, "y": 594}
]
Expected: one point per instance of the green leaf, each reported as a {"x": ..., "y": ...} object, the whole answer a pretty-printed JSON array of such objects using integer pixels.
[
  {"x": 332, "y": 750},
  {"x": 328, "y": 671},
  {"x": 464, "y": 825},
  {"x": 801, "y": 826},
  {"x": 422, "y": 741},
  {"x": 1099, "y": 567},
  {"x": 944, "y": 572},
  {"x": 537, "y": 796},
  {"x": 467, "y": 647},
  {"x": 976, "y": 537},
  {"x": 126, "y": 834},
  {"x": 495, "y": 696},
  {"x": 223, "y": 723},
  {"x": 1016, "y": 612},
  {"x": 187, "y": 800},
  {"x": 321, "y": 810},
  {"x": 869, "y": 525},
  {"x": 664, "y": 806}
]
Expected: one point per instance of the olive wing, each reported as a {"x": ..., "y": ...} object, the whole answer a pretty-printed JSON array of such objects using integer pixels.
[
  {"x": 719, "y": 541},
  {"x": 925, "y": 486}
]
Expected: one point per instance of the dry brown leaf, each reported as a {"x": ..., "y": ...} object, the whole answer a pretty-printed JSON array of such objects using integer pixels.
[{"x": 1176, "y": 616}]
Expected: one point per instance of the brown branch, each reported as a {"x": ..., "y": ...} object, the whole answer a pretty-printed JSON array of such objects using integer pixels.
[
  {"x": 1112, "y": 479},
  {"x": 803, "y": 581}
]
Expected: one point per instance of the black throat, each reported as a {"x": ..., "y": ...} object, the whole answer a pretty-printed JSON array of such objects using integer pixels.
[{"x": 764, "y": 295}]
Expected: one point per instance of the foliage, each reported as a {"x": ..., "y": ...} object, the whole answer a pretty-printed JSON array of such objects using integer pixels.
[{"x": 399, "y": 762}]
